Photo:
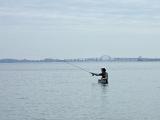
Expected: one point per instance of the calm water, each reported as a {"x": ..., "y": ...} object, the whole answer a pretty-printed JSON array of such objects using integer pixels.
[{"x": 57, "y": 91}]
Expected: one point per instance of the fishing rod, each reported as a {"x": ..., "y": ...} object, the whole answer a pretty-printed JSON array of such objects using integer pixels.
[{"x": 77, "y": 67}]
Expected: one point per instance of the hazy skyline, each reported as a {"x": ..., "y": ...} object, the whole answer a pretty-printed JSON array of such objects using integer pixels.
[{"x": 79, "y": 28}]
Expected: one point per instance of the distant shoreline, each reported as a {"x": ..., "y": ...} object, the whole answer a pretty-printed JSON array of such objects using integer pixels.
[{"x": 109, "y": 59}]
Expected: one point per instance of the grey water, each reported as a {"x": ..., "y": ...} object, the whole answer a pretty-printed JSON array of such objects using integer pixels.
[{"x": 58, "y": 91}]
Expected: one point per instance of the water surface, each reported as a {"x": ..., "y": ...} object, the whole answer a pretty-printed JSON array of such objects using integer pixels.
[{"x": 58, "y": 91}]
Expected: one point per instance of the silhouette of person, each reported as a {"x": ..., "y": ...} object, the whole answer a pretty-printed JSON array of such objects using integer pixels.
[{"x": 104, "y": 75}]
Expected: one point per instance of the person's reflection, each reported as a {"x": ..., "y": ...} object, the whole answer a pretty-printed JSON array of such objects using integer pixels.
[{"x": 104, "y": 87}]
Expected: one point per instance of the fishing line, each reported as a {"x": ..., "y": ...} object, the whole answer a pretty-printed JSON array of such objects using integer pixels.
[{"x": 78, "y": 67}]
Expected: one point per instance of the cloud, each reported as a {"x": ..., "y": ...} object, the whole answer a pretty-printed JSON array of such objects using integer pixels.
[
  {"x": 31, "y": 26},
  {"x": 80, "y": 11}
]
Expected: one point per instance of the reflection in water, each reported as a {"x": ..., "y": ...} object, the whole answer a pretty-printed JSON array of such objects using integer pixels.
[
  {"x": 104, "y": 87},
  {"x": 100, "y": 90},
  {"x": 100, "y": 86}
]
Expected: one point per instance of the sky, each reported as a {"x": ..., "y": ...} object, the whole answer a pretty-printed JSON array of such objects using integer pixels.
[{"x": 38, "y": 29}]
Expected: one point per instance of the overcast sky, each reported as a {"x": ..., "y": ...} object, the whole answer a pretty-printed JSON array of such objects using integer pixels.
[{"x": 38, "y": 29}]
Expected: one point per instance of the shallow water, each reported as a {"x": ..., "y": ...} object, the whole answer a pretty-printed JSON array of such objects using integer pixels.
[{"x": 58, "y": 91}]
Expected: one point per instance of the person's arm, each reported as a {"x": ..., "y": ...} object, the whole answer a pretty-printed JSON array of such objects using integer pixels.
[{"x": 95, "y": 74}]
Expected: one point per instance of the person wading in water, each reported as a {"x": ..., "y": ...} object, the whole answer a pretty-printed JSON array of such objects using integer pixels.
[{"x": 104, "y": 75}]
